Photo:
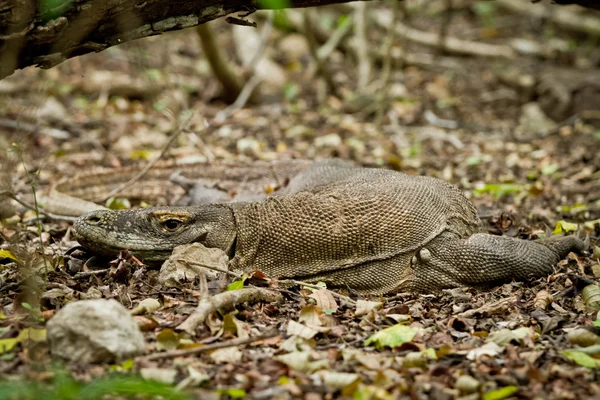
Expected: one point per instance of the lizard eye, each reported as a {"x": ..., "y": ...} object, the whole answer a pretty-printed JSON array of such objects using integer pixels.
[{"x": 172, "y": 224}]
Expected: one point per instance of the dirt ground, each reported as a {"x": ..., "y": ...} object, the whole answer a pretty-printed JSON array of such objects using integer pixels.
[{"x": 520, "y": 136}]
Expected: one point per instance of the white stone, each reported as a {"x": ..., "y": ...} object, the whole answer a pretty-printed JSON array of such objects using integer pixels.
[{"x": 94, "y": 331}]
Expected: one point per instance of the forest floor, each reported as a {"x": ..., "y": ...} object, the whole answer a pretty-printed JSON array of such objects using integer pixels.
[{"x": 517, "y": 135}]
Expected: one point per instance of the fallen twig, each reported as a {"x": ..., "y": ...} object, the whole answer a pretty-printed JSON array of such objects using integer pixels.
[
  {"x": 562, "y": 17},
  {"x": 362, "y": 53},
  {"x": 209, "y": 347},
  {"x": 446, "y": 21},
  {"x": 334, "y": 39},
  {"x": 207, "y": 305},
  {"x": 241, "y": 100},
  {"x": 251, "y": 84},
  {"x": 291, "y": 281},
  {"x": 264, "y": 38},
  {"x": 86, "y": 274},
  {"x": 451, "y": 44},
  {"x": 34, "y": 128},
  {"x": 387, "y": 63},
  {"x": 322, "y": 69}
]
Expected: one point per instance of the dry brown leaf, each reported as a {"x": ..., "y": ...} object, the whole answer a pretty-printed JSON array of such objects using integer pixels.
[
  {"x": 583, "y": 337},
  {"x": 542, "y": 299},
  {"x": 336, "y": 380},
  {"x": 363, "y": 307},
  {"x": 226, "y": 355},
  {"x": 162, "y": 375},
  {"x": 234, "y": 326},
  {"x": 297, "y": 329},
  {"x": 325, "y": 300},
  {"x": 310, "y": 315},
  {"x": 146, "y": 306}
]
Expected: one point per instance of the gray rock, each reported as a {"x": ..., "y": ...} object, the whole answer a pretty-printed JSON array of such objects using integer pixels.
[
  {"x": 94, "y": 331},
  {"x": 533, "y": 122}
]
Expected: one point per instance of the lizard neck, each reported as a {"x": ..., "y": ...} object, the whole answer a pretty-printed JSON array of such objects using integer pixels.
[{"x": 222, "y": 233}]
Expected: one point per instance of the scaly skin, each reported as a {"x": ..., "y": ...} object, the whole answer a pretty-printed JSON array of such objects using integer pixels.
[{"x": 375, "y": 231}]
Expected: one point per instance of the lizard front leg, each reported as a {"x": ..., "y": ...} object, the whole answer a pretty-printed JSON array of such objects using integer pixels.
[{"x": 487, "y": 260}]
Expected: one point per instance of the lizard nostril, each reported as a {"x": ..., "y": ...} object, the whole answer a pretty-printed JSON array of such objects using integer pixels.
[{"x": 93, "y": 220}]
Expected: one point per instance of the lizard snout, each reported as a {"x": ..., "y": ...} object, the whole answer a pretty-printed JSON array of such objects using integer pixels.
[
  {"x": 93, "y": 218},
  {"x": 88, "y": 223}
]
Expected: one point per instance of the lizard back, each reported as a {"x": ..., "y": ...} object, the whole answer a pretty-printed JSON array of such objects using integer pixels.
[{"x": 372, "y": 216}]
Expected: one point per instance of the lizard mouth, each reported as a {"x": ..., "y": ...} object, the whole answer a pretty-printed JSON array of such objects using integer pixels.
[
  {"x": 96, "y": 247},
  {"x": 152, "y": 257},
  {"x": 95, "y": 232}
]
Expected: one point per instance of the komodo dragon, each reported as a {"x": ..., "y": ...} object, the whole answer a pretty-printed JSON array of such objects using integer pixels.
[{"x": 373, "y": 230}]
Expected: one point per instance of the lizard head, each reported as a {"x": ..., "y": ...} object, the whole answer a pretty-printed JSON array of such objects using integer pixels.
[{"x": 151, "y": 234}]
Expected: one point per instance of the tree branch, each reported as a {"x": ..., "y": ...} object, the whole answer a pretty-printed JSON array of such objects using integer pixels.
[
  {"x": 47, "y": 33},
  {"x": 31, "y": 33}
]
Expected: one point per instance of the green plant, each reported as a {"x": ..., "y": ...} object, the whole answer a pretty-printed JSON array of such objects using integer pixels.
[{"x": 64, "y": 387}]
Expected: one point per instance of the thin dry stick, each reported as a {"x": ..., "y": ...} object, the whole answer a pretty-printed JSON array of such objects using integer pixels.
[
  {"x": 292, "y": 281},
  {"x": 33, "y": 128},
  {"x": 264, "y": 38},
  {"x": 452, "y": 45},
  {"x": 253, "y": 82},
  {"x": 490, "y": 308},
  {"x": 387, "y": 62},
  {"x": 225, "y": 300},
  {"x": 86, "y": 274},
  {"x": 197, "y": 264},
  {"x": 203, "y": 308},
  {"x": 446, "y": 21},
  {"x": 151, "y": 164},
  {"x": 240, "y": 101},
  {"x": 210, "y": 347},
  {"x": 334, "y": 39},
  {"x": 362, "y": 52},
  {"x": 231, "y": 83},
  {"x": 313, "y": 47},
  {"x": 310, "y": 285}
]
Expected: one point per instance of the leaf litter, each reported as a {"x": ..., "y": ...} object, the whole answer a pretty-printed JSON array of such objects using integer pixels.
[{"x": 526, "y": 174}]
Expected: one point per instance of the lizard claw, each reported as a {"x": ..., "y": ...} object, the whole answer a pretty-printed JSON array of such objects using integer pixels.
[
  {"x": 425, "y": 256},
  {"x": 586, "y": 237},
  {"x": 586, "y": 241}
]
